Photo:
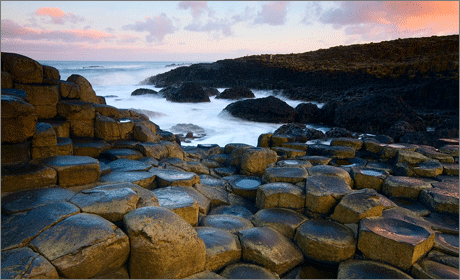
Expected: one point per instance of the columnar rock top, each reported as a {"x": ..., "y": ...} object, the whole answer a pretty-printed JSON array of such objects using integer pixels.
[{"x": 93, "y": 191}]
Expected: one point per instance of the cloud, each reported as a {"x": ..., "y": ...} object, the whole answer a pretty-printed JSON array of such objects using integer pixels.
[
  {"x": 127, "y": 39},
  {"x": 158, "y": 27},
  {"x": 10, "y": 29},
  {"x": 385, "y": 20},
  {"x": 58, "y": 16},
  {"x": 312, "y": 11},
  {"x": 273, "y": 13},
  {"x": 222, "y": 25},
  {"x": 196, "y": 7}
]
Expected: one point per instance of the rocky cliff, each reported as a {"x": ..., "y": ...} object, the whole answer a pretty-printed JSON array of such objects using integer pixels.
[{"x": 423, "y": 71}]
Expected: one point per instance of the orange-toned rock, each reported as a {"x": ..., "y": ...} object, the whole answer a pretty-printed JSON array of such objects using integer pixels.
[
  {"x": 87, "y": 93},
  {"x": 19, "y": 119},
  {"x": 22, "y": 68}
]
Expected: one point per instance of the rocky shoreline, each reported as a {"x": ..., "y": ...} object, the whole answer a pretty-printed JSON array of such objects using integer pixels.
[{"x": 93, "y": 191}]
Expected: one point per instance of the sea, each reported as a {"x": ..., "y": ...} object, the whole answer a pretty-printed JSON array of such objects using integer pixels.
[{"x": 116, "y": 80}]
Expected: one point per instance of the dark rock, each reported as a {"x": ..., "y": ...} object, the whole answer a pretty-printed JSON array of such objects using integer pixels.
[
  {"x": 327, "y": 112},
  {"x": 211, "y": 91},
  {"x": 307, "y": 113},
  {"x": 376, "y": 114},
  {"x": 142, "y": 91},
  {"x": 269, "y": 109},
  {"x": 187, "y": 92},
  {"x": 236, "y": 93},
  {"x": 300, "y": 132},
  {"x": 399, "y": 129},
  {"x": 337, "y": 132}
]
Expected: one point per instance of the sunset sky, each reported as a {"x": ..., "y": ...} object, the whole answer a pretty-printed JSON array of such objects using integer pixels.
[{"x": 209, "y": 31}]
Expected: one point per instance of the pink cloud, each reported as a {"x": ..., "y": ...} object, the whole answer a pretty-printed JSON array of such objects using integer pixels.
[
  {"x": 196, "y": 7},
  {"x": 58, "y": 16},
  {"x": 273, "y": 13},
  {"x": 10, "y": 29},
  {"x": 158, "y": 27},
  {"x": 385, "y": 20}
]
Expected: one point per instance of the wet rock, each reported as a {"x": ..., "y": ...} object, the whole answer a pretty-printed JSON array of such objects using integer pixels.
[
  {"x": 285, "y": 174},
  {"x": 236, "y": 210},
  {"x": 143, "y": 91},
  {"x": 432, "y": 153},
  {"x": 339, "y": 152},
  {"x": 322, "y": 193},
  {"x": 198, "y": 167},
  {"x": 447, "y": 243},
  {"x": 114, "y": 154},
  {"x": 443, "y": 197},
  {"x": 283, "y": 195},
  {"x": 267, "y": 247},
  {"x": 296, "y": 146},
  {"x": 163, "y": 245},
  {"x": 74, "y": 170},
  {"x": 428, "y": 269},
  {"x": 15, "y": 153},
  {"x": 254, "y": 161},
  {"x": 412, "y": 205},
  {"x": 396, "y": 242},
  {"x": 248, "y": 271},
  {"x": 109, "y": 203},
  {"x": 316, "y": 160},
  {"x": 140, "y": 178},
  {"x": 328, "y": 170},
  {"x": 294, "y": 163},
  {"x": 206, "y": 274},
  {"x": 443, "y": 222},
  {"x": 401, "y": 186},
  {"x": 27, "y": 176},
  {"x": 364, "y": 269},
  {"x": 170, "y": 177},
  {"x": 325, "y": 241},
  {"x": 358, "y": 205},
  {"x": 299, "y": 132},
  {"x": 64, "y": 146},
  {"x": 217, "y": 195},
  {"x": 124, "y": 164},
  {"x": 19, "y": 119},
  {"x": 283, "y": 220},
  {"x": 450, "y": 150},
  {"x": 337, "y": 132},
  {"x": 21, "y": 228},
  {"x": 288, "y": 152},
  {"x": 236, "y": 93},
  {"x": 451, "y": 169},
  {"x": 348, "y": 142},
  {"x": 307, "y": 113},
  {"x": 26, "y": 264},
  {"x": 222, "y": 247},
  {"x": 368, "y": 178},
  {"x": 440, "y": 257},
  {"x": 180, "y": 202},
  {"x": 269, "y": 109},
  {"x": 90, "y": 246},
  {"x": 89, "y": 147},
  {"x": 30, "y": 199},
  {"x": 390, "y": 151},
  {"x": 246, "y": 187},
  {"x": 187, "y": 92},
  {"x": 230, "y": 223}
]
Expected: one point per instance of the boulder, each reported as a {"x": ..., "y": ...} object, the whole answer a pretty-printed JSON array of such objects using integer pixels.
[
  {"x": 323, "y": 193},
  {"x": 285, "y": 174},
  {"x": 143, "y": 91},
  {"x": 235, "y": 93},
  {"x": 144, "y": 134},
  {"x": 307, "y": 113},
  {"x": 375, "y": 114},
  {"x": 68, "y": 89},
  {"x": 74, "y": 170},
  {"x": 222, "y": 247},
  {"x": 443, "y": 197},
  {"x": 254, "y": 161},
  {"x": 186, "y": 92},
  {"x": 269, "y": 248},
  {"x": 211, "y": 91},
  {"x": 248, "y": 271},
  {"x": 44, "y": 141},
  {"x": 180, "y": 202},
  {"x": 358, "y": 205},
  {"x": 22, "y": 68},
  {"x": 402, "y": 186},
  {"x": 50, "y": 72},
  {"x": 348, "y": 142},
  {"x": 327, "y": 112},
  {"x": 399, "y": 129},
  {"x": 43, "y": 97},
  {"x": 327, "y": 170},
  {"x": 393, "y": 241},
  {"x": 163, "y": 245},
  {"x": 299, "y": 131},
  {"x": 106, "y": 128},
  {"x": 217, "y": 195},
  {"x": 19, "y": 119},
  {"x": 367, "y": 178},
  {"x": 80, "y": 115},
  {"x": 91, "y": 246},
  {"x": 325, "y": 241},
  {"x": 269, "y": 109},
  {"x": 87, "y": 93},
  {"x": 339, "y": 152},
  {"x": 284, "y": 195},
  {"x": 337, "y": 132}
]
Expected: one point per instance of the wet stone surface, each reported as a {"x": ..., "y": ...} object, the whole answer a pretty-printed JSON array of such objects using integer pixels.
[
  {"x": 229, "y": 223},
  {"x": 285, "y": 174},
  {"x": 170, "y": 177},
  {"x": 283, "y": 220},
  {"x": 143, "y": 179},
  {"x": 236, "y": 210},
  {"x": 362, "y": 269},
  {"x": 248, "y": 271}
]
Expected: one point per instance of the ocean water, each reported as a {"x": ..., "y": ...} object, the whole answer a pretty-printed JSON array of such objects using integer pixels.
[{"x": 117, "y": 80}]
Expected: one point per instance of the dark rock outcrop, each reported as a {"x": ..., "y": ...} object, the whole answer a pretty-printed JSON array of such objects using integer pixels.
[
  {"x": 269, "y": 109},
  {"x": 376, "y": 114},
  {"x": 236, "y": 93},
  {"x": 211, "y": 91},
  {"x": 142, "y": 91},
  {"x": 307, "y": 113},
  {"x": 299, "y": 131},
  {"x": 186, "y": 92}
]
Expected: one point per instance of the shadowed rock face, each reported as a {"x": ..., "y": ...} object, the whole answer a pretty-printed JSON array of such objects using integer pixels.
[{"x": 236, "y": 93}]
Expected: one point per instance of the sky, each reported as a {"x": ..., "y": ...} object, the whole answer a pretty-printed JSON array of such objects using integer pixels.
[{"x": 210, "y": 30}]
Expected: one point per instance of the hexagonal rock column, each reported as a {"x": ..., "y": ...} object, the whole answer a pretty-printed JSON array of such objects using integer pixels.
[
  {"x": 87, "y": 93},
  {"x": 362, "y": 269},
  {"x": 349, "y": 142},
  {"x": 394, "y": 241},
  {"x": 43, "y": 97},
  {"x": 284, "y": 174},
  {"x": 24, "y": 263},
  {"x": 428, "y": 269},
  {"x": 171, "y": 177},
  {"x": 109, "y": 203},
  {"x": 369, "y": 178},
  {"x": 402, "y": 186},
  {"x": 339, "y": 152},
  {"x": 283, "y": 195},
  {"x": 83, "y": 246},
  {"x": 269, "y": 248},
  {"x": 179, "y": 202},
  {"x": 325, "y": 241},
  {"x": 283, "y": 220},
  {"x": 106, "y": 128},
  {"x": 28, "y": 176},
  {"x": 140, "y": 178},
  {"x": 358, "y": 205},
  {"x": 163, "y": 245},
  {"x": 80, "y": 115},
  {"x": 19, "y": 119},
  {"x": 44, "y": 141},
  {"x": 247, "y": 271},
  {"x": 246, "y": 187},
  {"x": 328, "y": 170},
  {"x": 229, "y": 223},
  {"x": 443, "y": 197},
  {"x": 322, "y": 193},
  {"x": 222, "y": 247},
  {"x": 74, "y": 170},
  {"x": 90, "y": 148},
  {"x": 22, "y": 68}
]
